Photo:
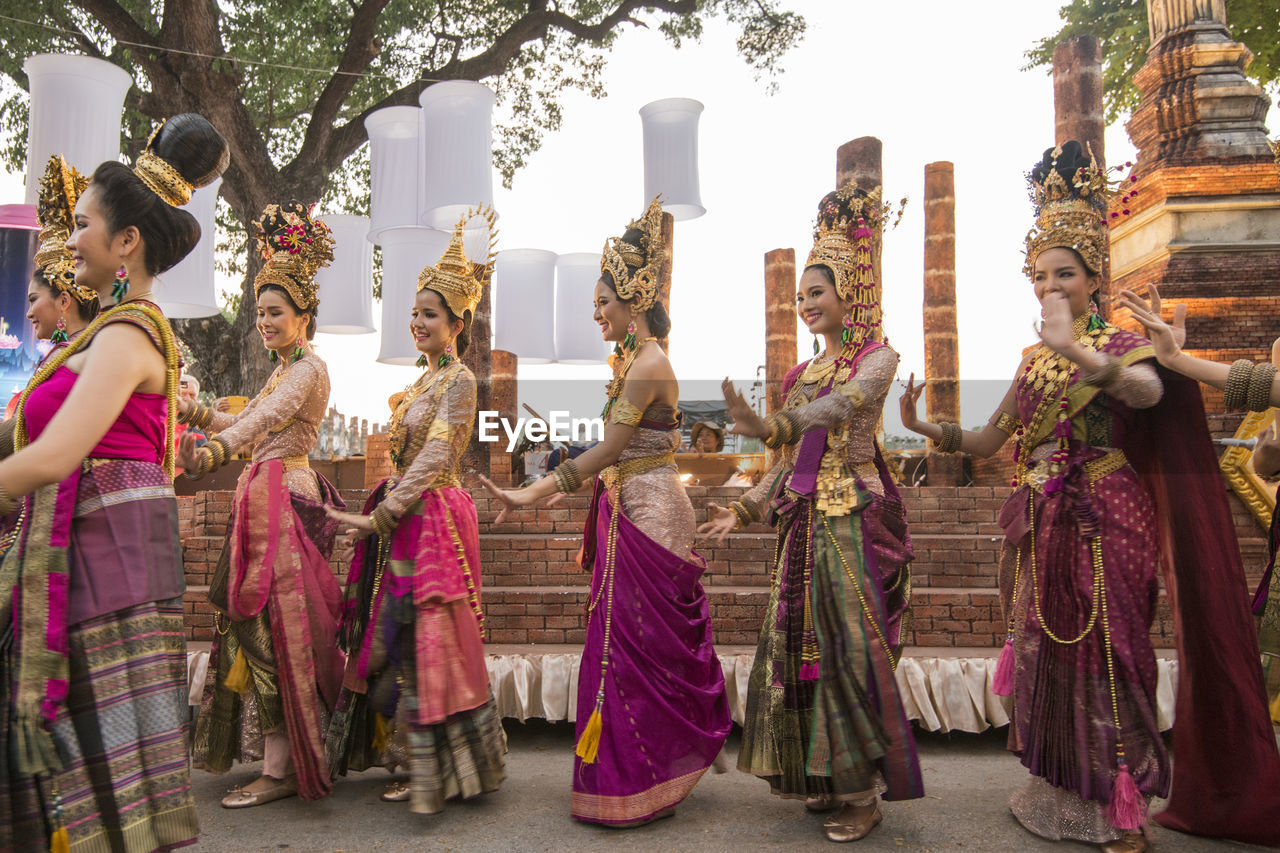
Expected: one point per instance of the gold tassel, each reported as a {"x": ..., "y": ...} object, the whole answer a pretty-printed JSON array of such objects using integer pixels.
[
  {"x": 589, "y": 743},
  {"x": 59, "y": 843},
  {"x": 379, "y": 733},
  {"x": 1275, "y": 710},
  {"x": 237, "y": 680}
]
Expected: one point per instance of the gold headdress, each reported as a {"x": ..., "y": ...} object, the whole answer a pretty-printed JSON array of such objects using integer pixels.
[
  {"x": 641, "y": 287},
  {"x": 850, "y": 227},
  {"x": 295, "y": 246},
  {"x": 459, "y": 281},
  {"x": 1072, "y": 212},
  {"x": 164, "y": 180},
  {"x": 59, "y": 189}
]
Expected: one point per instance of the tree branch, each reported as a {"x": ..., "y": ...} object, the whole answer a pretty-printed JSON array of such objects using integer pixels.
[
  {"x": 122, "y": 27},
  {"x": 344, "y": 140},
  {"x": 360, "y": 50}
]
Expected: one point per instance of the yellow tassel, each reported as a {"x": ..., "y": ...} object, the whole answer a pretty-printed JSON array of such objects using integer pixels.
[
  {"x": 1275, "y": 710},
  {"x": 379, "y": 733},
  {"x": 59, "y": 843},
  {"x": 237, "y": 680},
  {"x": 589, "y": 743}
]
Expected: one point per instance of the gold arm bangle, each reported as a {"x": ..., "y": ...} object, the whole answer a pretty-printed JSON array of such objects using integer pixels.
[
  {"x": 384, "y": 523},
  {"x": 202, "y": 417},
  {"x": 951, "y": 437},
  {"x": 754, "y": 511},
  {"x": 1007, "y": 423},
  {"x": 782, "y": 429},
  {"x": 740, "y": 512},
  {"x": 1235, "y": 392},
  {"x": 1260, "y": 380},
  {"x": 568, "y": 477}
]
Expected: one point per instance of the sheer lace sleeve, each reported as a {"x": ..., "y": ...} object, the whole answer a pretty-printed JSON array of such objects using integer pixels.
[
  {"x": 224, "y": 420},
  {"x": 444, "y": 431},
  {"x": 1138, "y": 386},
  {"x": 868, "y": 386},
  {"x": 274, "y": 409},
  {"x": 759, "y": 493}
]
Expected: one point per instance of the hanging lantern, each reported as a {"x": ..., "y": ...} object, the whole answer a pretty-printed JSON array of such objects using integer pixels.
[
  {"x": 524, "y": 304},
  {"x": 189, "y": 290},
  {"x": 76, "y": 102},
  {"x": 394, "y": 157},
  {"x": 671, "y": 155},
  {"x": 346, "y": 285},
  {"x": 577, "y": 336},
  {"x": 457, "y": 151},
  {"x": 405, "y": 252}
]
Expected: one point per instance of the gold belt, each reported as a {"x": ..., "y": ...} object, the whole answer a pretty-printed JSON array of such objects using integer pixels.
[
  {"x": 1094, "y": 469},
  {"x": 628, "y": 468},
  {"x": 294, "y": 463}
]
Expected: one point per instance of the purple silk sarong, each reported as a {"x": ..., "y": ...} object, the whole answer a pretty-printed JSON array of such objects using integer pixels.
[{"x": 665, "y": 713}]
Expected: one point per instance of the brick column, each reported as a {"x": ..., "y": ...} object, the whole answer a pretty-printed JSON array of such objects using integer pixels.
[
  {"x": 664, "y": 272},
  {"x": 779, "y": 322},
  {"x": 1077, "y": 94},
  {"x": 941, "y": 338},
  {"x": 859, "y": 160},
  {"x": 503, "y": 399}
]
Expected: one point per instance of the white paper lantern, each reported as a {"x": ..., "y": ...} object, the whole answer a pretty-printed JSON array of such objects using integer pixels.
[
  {"x": 405, "y": 252},
  {"x": 577, "y": 335},
  {"x": 524, "y": 304},
  {"x": 346, "y": 285},
  {"x": 189, "y": 289},
  {"x": 394, "y": 162},
  {"x": 75, "y": 109},
  {"x": 671, "y": 155},
  {"x": 457, "y": 150}
]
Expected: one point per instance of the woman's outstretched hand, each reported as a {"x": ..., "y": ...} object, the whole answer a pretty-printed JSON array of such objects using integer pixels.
[
  {"x": 1167, "y": 338},
  {"x": 744, "y": 419},
  {"x": 720, "y": 522},
  {"x": 514, "y": 498},
  {"x": 352, "y": 522},
  {"x": 1056, "y": 332},
  {"x": 907, "y": 403},
  {"x": 186, "y": 457}
]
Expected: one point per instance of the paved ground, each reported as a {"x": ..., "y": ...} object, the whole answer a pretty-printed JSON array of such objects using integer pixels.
[{"x": 967, "y": 777}]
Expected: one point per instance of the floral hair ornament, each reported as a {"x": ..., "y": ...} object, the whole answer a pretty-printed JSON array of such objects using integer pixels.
[
  {"x": 849, "y": 229},
  {"x": 459, "y": 280},
  {"x": 619, "y": 257},
  {"x": 295, "y": 245},
  {"x": 60, "y": 188},
  {"x": 1075, "y": 211}
]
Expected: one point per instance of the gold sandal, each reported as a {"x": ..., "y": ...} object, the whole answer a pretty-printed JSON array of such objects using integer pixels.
[
  {"x": 397, "y": 792},
  {"x": 242, "y": 798},
  {"x": 845, "y": 832}
]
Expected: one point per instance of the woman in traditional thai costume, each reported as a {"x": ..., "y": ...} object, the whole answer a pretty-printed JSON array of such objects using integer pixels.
[
  {"x": 652, "y": 712},
  {"x": 93, "y": 707},
  {"x": 1110, "y": 454},
  {"x": 416, "y": 691},
  {"x": 824, "y": 722},
  {"x": 59, "y": 309},
  {"x": 275, "y": 671}
]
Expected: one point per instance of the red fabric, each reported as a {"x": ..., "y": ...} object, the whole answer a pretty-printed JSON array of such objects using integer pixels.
[{"x": 1226, "y": 770}]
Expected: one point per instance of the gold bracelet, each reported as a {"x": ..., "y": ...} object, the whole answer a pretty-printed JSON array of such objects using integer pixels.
[
  {"x": 952, "y": 435},
  {"x": 1260, "y": 380},
  {"x": 8, "y": 503},
  {"x": 568, "y": 477},
  {"x": 205, "y": 456},
  {"x": 754, "y": 512},
  {"x": 782, "y": 429},
  {"x": 1007, "y": 423},
  {"x": 202, "y": 417},
  {"x": 1235, "y": 392},
  {"x": 384, "y": 523},
  {"x": 740, "y": 512}
]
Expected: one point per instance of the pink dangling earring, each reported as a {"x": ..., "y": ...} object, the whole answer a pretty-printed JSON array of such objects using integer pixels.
[
  {"x": 629, "y": 342},
  {"x": 446, "y": 356},
  {"x": 59, "y": 335},
  {"x": 846, "y": 334}
]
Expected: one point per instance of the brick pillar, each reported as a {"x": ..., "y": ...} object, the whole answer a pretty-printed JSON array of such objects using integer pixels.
[
  {"x": 477, "y": 357},
  {"x": 503, "y": 399},
  {"x": 664, "y": 272},
  {"x": 941, "y": 339},
  {"x": 1077, "y": 93},
  {"x": 779, "y": 322},
  {"x": 859, "y": 160}
]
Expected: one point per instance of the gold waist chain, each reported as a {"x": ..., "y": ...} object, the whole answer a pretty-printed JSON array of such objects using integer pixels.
[
  {"x": 1094, "y": 470},
  {"x": 627, "y": 468}
]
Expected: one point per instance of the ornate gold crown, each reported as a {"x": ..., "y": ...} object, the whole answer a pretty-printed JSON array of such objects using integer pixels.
[
  {"x": 1074, "y": 213},
  {"x": 458, "y": 280},
  {"x": 164, "y": 180},
  {"x": 295, "y": 246},
  {"x": 641, "y": 287},
  {"x": 850, "y": 227},
  {"x": 60, "y": 187}
]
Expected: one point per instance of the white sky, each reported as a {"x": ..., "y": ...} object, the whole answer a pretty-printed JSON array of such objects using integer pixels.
[{"x": 935, "y": 81}]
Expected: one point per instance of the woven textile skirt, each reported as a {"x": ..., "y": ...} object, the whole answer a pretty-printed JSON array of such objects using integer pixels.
[{"x": 122, "y": 735}]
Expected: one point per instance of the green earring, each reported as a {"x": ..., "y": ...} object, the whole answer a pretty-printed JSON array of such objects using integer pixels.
[
  {"x": 846, "y": 334},
  {"x": 59, "y": 335},
  {"x": 120, "y": 289},
  {"x": 422, "y": 360},
  {"x": 816, "y": 348},
  {"x": 629, "y": 342},
  {"x": 273, "y": 356}
]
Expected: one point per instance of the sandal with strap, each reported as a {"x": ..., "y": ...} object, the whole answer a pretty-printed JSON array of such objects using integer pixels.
[{"x": 844, "y": 832}]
